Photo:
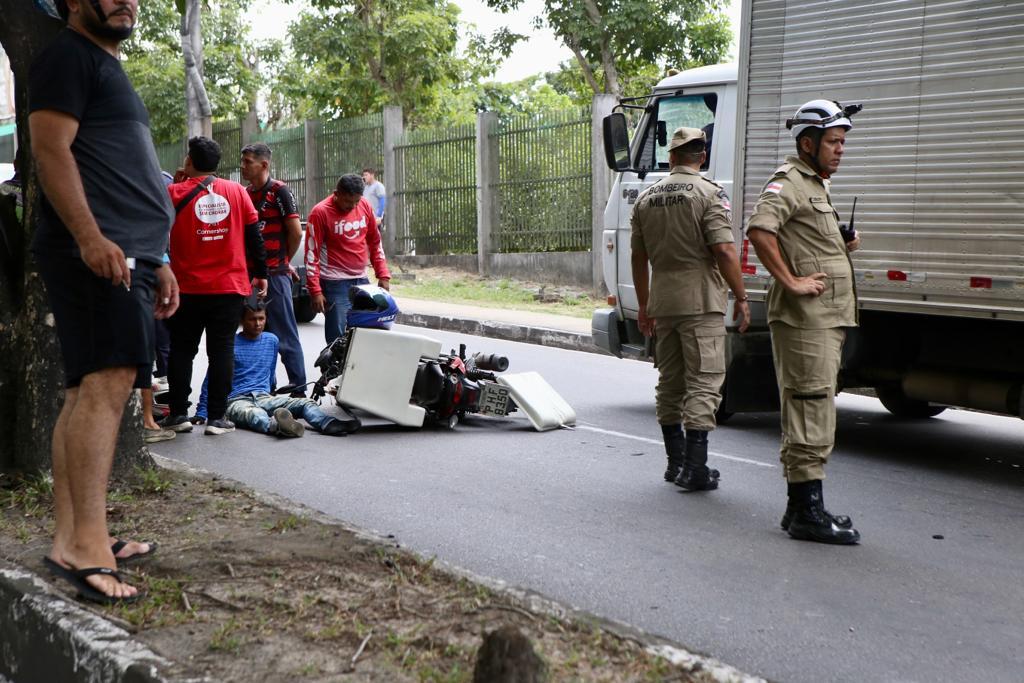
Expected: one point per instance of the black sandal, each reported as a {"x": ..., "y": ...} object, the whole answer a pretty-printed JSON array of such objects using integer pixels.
[{"x": 86, "y": 591}]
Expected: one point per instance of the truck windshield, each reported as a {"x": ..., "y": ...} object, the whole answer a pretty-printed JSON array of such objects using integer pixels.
[{"x": 692, "y": 111}]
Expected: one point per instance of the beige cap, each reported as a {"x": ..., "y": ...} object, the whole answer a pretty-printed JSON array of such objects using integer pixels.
[{"x": 685, "y": 135}]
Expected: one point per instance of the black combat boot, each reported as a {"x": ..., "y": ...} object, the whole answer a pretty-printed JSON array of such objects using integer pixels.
[
  {"x": 675, "y": 445},
  {"x": 810, "y": 522},
  {"x": 841, "y": 521},
  {"x": 695, "y": 475}
]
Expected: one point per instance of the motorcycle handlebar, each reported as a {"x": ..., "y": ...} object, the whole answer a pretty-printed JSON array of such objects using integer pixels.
[{"x": 490, "y": 361}]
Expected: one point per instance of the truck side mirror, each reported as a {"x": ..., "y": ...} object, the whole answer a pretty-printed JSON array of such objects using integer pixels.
[
  {"x": 616, "y": 141},
  {"x": 662, "y": 134}
]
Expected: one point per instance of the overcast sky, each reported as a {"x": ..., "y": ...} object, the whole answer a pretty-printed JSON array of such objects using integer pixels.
[{"x": 541, "y": 52}]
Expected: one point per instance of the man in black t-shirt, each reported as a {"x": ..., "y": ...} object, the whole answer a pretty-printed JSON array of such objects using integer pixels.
[{"x": 99, "y": 245}]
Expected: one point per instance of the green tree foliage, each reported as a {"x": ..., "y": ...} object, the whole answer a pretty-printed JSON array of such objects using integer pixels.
[
  {"x": 358, "y": 57},
  {"x": 352, "y": 58},
  {"x": 232, "y": 64},
  {"x": 624, "y": 45}
]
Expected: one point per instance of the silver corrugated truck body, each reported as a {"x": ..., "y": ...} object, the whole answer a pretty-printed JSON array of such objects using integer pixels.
[
  {"x": 936, "y": 162},
  {"x": 936, "y": 158}
]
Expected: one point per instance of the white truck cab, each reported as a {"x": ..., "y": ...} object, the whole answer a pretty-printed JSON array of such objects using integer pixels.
[{"x": 698, "y": 98}]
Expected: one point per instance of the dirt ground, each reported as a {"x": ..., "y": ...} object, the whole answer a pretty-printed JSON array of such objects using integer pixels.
[{"x": 243, "y": 590}]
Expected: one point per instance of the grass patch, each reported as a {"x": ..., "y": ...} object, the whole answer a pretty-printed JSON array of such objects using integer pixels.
[
  {"x": 33, "y": 495},
  {"x": 503, "y": 293}
]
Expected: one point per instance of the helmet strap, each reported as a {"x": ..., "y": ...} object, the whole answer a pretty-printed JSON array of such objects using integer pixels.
[{"x": 812, "y": 159}]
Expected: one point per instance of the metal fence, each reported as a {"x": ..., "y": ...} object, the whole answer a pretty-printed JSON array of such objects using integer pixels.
[
  {"x": 544, "y": 183},
  {"x": 171, "y": 154},
  {"x": 540, "y": 177},
  {"x": 435, "y": 198},
  {"x": 228, "y": 134},
  {"x": 288, "y": 159},
  {"x": 348, "y": 146}
]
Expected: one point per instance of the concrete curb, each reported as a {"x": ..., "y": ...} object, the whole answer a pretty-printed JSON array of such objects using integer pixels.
[
  {"x": 44, "y": 637},
  {"x": 562, "y": 339}
]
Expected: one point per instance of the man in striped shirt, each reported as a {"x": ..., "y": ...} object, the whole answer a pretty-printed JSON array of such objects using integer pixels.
[{"x": 282, "y": 234}]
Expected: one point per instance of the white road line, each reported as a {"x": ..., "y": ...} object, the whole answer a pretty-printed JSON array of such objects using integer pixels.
[{"x": 590, "y": 428}]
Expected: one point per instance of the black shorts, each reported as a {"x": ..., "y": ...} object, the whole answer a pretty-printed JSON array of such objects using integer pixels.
[{"x": 100, "y": 325}]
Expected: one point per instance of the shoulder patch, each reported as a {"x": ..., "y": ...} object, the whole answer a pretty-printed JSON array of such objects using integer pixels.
[{"x": 773, "y": 187}]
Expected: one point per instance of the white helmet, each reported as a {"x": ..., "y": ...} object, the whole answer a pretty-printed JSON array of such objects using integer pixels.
[{"x": 821, "y": 114}]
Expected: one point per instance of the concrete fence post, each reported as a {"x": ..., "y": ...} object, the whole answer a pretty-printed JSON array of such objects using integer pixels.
[
  {"x": 486, "y": 178},
  {"x": 250, "y": 127},
  {"x": 395, "y": 211},
  {"x": 600, "y": 186},
  {"x": 312, "y": 164}
]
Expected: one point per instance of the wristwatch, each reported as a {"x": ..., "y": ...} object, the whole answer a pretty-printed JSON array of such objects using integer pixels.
[{"x": 743, "y": 298}]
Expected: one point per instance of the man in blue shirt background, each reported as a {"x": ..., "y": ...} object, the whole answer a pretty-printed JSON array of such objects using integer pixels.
[{"x": 250, "y": 403}]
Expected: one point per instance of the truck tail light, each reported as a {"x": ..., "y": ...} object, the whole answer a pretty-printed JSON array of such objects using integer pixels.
[{"x": 612, "y": 300}]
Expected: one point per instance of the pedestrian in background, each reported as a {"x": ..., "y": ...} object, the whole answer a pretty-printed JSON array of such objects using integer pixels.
[
  {"x": 682, "y": 225},
  {"x": 102, "y": 233},
  {"x": 216, "y": 230},
  {"x": 375, "y": 193},
  {"x": 341, "y": 238},
  {"x": 282, "y": 235},
  {"x": 811, "y": 300}
]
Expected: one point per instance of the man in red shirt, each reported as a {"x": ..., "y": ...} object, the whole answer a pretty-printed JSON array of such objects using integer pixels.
[
  {"x": 216, "y": 228},
  {"x": 282, "y": 234},
  {"x": 341, "y": 238}
]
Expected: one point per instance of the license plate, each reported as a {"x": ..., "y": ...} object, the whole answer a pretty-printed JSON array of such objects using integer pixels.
[{"x": 494, "y": 399}]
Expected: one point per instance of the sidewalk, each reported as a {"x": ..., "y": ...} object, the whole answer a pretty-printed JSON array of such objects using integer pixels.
[{"x": 546, "y": 329}]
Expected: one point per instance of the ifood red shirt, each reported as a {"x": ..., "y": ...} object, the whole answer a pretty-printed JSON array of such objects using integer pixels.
[
  {"x": 338, "y": 246},
  {"x": 208, "y": 238}
]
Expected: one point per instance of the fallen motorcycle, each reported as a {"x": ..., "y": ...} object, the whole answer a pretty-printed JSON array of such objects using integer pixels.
[{"x": 404, "y": 377}]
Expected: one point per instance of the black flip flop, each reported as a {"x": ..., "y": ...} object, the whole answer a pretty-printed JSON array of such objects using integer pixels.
[
  {"x": 119, "y": 545},
  {"x": 76, "y": 577}
]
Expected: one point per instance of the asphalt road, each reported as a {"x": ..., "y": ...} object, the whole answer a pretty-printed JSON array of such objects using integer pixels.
[{"x": 933, "y": 593}]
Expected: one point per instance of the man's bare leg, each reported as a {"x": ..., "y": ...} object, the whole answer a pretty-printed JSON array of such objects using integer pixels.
[
  {"x": 148, "y": 421},
  {"x": 63, "y": 511},
  {"x": 88, "y": 439}
]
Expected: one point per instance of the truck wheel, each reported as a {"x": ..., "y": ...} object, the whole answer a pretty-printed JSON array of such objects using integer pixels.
[
  {"x": 897, "y": 403},
  {"x": 303, "y": 309}
]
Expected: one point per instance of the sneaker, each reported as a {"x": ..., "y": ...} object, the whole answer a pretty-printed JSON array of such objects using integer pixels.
[
  {"x": 157, "y": 435},
  {"x": 177, "y": 423},
  {"x": 221, "y": 426},
  {"x": 286, "y": 424}
]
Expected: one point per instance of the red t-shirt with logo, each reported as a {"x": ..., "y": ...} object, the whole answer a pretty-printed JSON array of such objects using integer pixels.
[
  {"x": 338, "y": 246},
  {"x": 208, "y": 238}
]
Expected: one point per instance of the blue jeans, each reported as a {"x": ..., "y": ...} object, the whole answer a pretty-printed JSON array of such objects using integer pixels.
[
  {"x": 338, "y": 305},
  {"x": 253, "y": 411},
  {"x": 281, "y": 321}
]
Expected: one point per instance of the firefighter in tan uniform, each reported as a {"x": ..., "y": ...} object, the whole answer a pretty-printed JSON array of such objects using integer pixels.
[
  {"x": 811, "y": 300},
  {"x": 682, "y": 226}
]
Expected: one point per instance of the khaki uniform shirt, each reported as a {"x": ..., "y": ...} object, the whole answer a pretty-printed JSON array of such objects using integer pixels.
[
  {"x": 675, "y": 221},
  {"x": 796, "y": 207}
]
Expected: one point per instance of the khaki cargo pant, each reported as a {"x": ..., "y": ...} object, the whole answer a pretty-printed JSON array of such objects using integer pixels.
[
  {"x": 690, "y": 351},
  {"x": 807, "y": 366}
]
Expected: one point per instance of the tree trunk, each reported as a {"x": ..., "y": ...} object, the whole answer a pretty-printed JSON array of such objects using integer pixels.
[
  {"x": 199, "y": 111},
  {"x": 31, "y": 372}
]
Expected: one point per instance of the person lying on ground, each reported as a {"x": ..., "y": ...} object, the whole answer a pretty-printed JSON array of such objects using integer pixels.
[{"x": 250, "y": 403}]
